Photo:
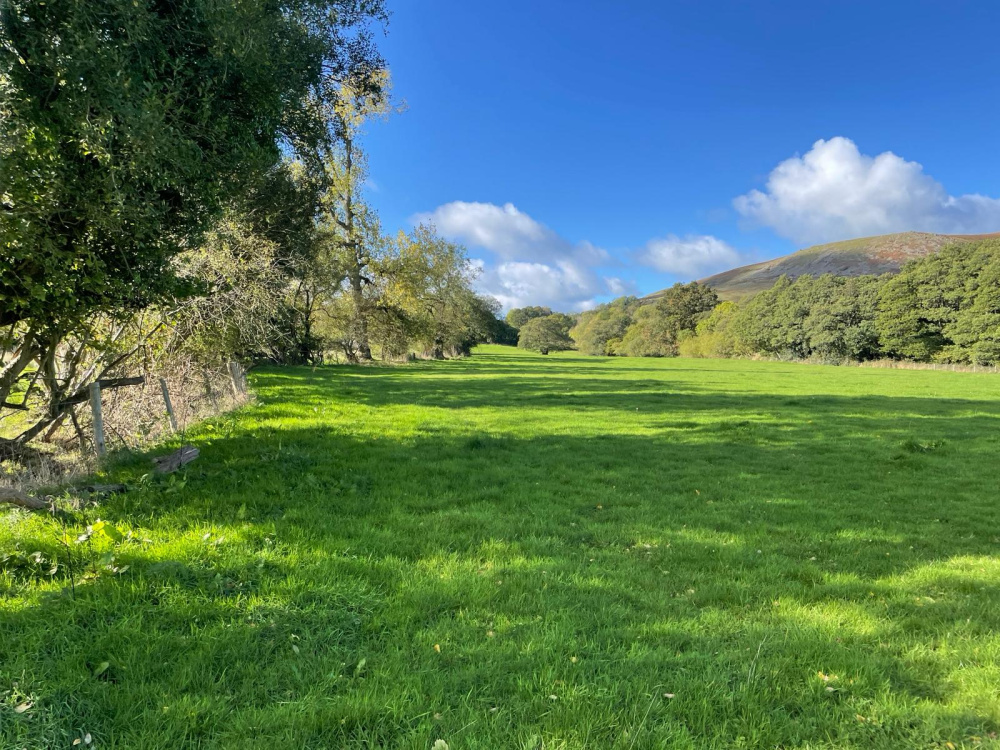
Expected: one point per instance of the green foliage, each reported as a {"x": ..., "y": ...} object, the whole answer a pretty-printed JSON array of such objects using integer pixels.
[
  {"x": 829, "y": 317},
  {"x": 431, "y": 283},
  {"x": 600, "y": 331},
  {"x": 796, "y": 570},
  {"x": 486, "y": 327},
  {"x": 684, "y": 305},
  {"x": 135, "y": 132},
  {"x": 772, "y": 321},
  {"x": 501, "y": 332},
  {"x": 518, "y": 316},
  {"x": 841, "y": 320},
  {"x": 713, "y": 337},
  {"x": 247, "y": 311},
  {"x": 657, "y": 329},
  {"x": 648, "y": 335},
  {"x": 354, "y": 246},
  {"x": 945, "y": 307},
  {"x": 903, "y": 325},
  {"x": 127, "y": 125},
  {"x": 546, "y": 334}
]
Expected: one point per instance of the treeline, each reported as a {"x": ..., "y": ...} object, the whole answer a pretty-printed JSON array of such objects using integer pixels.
[
  {"x": 942, "y": 308},
  {"x": 181, "y": 185}
]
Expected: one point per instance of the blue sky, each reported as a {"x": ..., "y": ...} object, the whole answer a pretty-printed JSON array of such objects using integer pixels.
[{"x": 586, "y": 149}]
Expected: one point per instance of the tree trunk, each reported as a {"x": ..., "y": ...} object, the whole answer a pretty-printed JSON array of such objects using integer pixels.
[
  {"x": 10, "y": 374},
  {"x": 357, "y": 273},
  {"x": 438, "y": 351},
  {"x": 360, "y": 317}
]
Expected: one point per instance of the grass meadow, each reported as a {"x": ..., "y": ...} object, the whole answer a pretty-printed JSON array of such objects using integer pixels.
[{"x": 518, "y": 551}]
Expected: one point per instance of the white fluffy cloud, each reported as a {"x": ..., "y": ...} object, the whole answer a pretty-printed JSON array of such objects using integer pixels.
[
  {"x": 537, "y": 266},
  {"x": 690, "y": 256},
  {"x": 506, "y": 231},
  {"x": 561, "y": 286},
  {"x": 835, "y": 192}
]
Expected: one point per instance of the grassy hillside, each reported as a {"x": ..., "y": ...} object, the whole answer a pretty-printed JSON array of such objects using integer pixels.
[
  {"x": 866, "y": 255},
  {"x": 516, "y": 551}
]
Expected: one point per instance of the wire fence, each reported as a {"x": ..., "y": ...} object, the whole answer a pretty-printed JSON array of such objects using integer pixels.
[{"x": 126, "y": 417}]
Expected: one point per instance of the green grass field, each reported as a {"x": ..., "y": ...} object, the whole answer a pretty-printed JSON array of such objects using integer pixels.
[{"x": 517, "y": 551}]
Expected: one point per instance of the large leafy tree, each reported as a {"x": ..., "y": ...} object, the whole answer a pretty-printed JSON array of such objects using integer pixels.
[
  {"x": 127, "y": 126},
  {"x": 771, "y": 322},
  {"x": 600, "y": 331},
  {"x": 684, "y": 305},
  {"x": 649, "y": 335},
  {"x": 946, "y": 306},
  {"x": 841, "y": 319},
  {"x": 484, "y": 324},
  {"x": 518, "y": 316},
  {"x": 713, "y": 337},
  {"x": 432, "y": 286},
  {"x": 656, "y": 328},
  {"x": 340, "y": 168},
  {"x": 549, "y": 333}
]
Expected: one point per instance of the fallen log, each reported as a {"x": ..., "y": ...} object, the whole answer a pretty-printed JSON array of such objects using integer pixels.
[
  {"x": 22, "y": 500},
  {"x": 177, "y": 459}
]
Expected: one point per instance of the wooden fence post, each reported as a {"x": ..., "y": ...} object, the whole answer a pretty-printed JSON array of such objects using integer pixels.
[
  {"x": 211, "y": 394},
  {"x": 166, "y": 401},
  {"x": 95, "y": 408},
  {"x": 239, "y": 377},
  {"x": 235, "y": 379}
]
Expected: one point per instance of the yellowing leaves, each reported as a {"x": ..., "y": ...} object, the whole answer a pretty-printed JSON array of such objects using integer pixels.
[{"x": 109, "y": 531}]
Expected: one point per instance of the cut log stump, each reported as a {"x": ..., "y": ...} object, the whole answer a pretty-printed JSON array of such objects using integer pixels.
[{"x": 177, "y": 459}]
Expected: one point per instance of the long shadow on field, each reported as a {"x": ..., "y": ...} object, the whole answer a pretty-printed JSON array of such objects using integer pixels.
[
  {"x": 830, "y": 490},
  {"x": 452, "y": 390},
  {"x": 909, "y": 470}
]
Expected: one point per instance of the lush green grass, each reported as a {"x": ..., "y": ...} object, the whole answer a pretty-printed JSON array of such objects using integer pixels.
[{"x": 516, "y": 551}]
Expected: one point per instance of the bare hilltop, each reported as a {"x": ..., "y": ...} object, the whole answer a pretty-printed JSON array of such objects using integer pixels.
[{"x": 885, "y": 253}]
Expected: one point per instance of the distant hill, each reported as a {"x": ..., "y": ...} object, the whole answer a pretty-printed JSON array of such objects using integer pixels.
[{"x": 868, "y": 255}]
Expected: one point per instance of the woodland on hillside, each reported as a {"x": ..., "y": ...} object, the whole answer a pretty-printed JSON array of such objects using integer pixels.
[{"x": 941, "y": 308}]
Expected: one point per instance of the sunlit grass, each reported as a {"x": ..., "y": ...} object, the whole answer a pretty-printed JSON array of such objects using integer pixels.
[{"x": 517, "y": 551}]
